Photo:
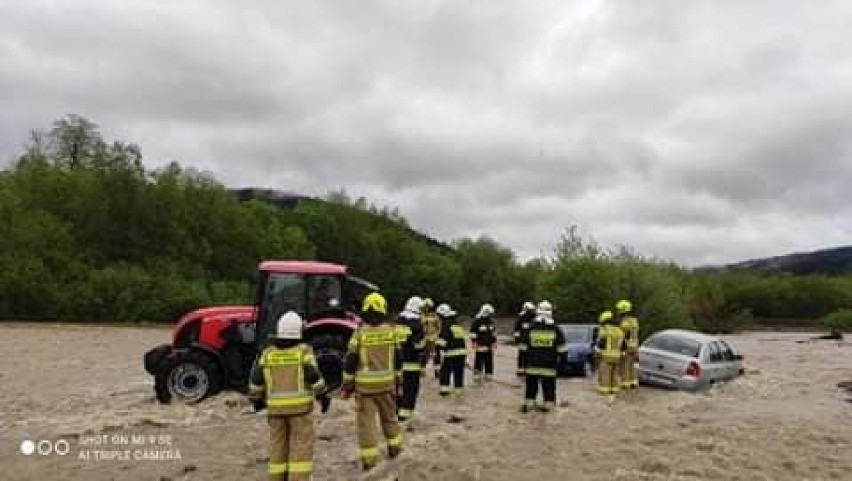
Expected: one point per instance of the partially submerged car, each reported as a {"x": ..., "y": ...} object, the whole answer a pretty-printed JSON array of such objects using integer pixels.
[
  {"x": 579, "y": 359},
  {"x": 687, "y": 360}
]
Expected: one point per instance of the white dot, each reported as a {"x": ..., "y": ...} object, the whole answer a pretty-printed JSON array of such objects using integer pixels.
[{"x": 27, "y": 447}]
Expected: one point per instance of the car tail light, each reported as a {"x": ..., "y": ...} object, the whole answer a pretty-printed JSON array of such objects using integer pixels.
[{"x": 693, "y": 369}]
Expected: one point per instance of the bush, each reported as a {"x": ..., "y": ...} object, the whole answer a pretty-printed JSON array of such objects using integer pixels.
[{"x": 839, "y": 321}]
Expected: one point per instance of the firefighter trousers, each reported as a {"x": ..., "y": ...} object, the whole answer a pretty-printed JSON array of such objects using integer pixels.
[
  {"x": 608, "y": 376},
  {"x": 291, "y": 447},
  {"x": 628, "y": 371},
  {"x": 408, "y": 397},
  {"x": 452, "y": 367},
  {"x": 381, "y": 406},
  {"x": 484, "y": 361},
  {"x": 548, "y": 388}
]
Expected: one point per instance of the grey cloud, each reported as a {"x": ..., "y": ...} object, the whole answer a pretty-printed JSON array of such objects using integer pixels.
[{"x": 693, "y": 130}]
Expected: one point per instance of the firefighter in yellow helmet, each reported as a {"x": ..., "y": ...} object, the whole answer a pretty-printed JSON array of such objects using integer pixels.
[
  {"x": 372, "y": 369},
  {"x": 609, "y": 350},
  {"x": 431, "y": 328},
  {"x": 285, "y": 379},
  {"x": 630, "y": 327}
]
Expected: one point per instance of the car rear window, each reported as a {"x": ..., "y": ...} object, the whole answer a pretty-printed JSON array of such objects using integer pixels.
[
  {"x": 576, "y": 335},
  {"x": 675, "y": 344}
]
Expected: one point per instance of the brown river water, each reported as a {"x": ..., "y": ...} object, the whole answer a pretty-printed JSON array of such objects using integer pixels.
[{"x": 80, "y": 394}]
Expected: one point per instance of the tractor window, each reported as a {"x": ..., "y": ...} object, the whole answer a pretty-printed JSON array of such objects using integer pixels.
[
  {"x": 284, "y": 292},
  {"x": 322, "y": 290}
]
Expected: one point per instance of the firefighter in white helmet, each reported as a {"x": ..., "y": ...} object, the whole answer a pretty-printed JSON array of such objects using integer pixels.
[
  {"x": 482, "y": 334},
  {"x": 545, "y": 347},
  {"x": 285, "y": 380}
]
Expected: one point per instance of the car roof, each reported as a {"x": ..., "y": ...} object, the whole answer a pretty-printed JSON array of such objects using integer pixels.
[
  {"x": 694, "y": 335},
  {"x": 302, "y": 267}
]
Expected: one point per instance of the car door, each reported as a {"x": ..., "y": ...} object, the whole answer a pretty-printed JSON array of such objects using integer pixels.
[
  {"x": 715, "y": 366},
  {"x": 732, "y": 366}
]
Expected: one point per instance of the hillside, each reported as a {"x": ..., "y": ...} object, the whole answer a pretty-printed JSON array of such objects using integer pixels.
[
  {"x": 835, "y": 261},
  {"x": 290, "y": 201}
]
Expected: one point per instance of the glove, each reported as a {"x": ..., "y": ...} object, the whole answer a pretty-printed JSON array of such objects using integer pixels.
[
  {"x": 345, "y": 393},
  {"x": 325, "y": 403},
  {"x": 258, "y": 404}
]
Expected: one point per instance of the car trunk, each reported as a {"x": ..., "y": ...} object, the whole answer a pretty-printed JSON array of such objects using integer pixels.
[{"x": 662, "y": 366}]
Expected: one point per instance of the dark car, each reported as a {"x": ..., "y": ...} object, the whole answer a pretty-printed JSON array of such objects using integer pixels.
[{"x": 579, "y": 359}]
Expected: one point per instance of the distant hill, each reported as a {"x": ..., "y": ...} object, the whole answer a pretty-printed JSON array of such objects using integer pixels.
[
  {"x": 289, "y": 201},
  {"x": 833, "y": 261}
]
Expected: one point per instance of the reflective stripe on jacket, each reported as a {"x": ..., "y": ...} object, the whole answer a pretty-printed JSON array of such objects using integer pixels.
[
  {"x": 372, "y": 359},
  {"x": 290, "y": 379},
  {"x": 630, "y": 328},
  {"x": 610, "y": 342}
]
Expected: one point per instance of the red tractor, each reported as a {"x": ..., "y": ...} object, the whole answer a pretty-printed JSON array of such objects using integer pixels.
[{"x": 214, "y": 348}]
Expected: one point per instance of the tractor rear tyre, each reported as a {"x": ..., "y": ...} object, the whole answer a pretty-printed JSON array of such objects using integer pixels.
[
  {"x": 329, "y": 351},
  {"x": 189, "y": 379}
]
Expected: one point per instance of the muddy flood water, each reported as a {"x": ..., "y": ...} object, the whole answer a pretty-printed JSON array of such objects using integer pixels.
[{"x": 81, "y": 395}]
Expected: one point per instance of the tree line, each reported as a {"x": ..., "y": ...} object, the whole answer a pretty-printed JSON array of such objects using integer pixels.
[{"x": 87, "y": 233}]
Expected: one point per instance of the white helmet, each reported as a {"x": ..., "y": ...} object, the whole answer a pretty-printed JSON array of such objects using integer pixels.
[
  {"x": 545, "y": 309},
  {"x": 486, "y": 310},
  {"x": 528, "y": 307},
  {"x": 444, "y": 311},
  {"x": 289, "y": 326},
  {"x": 414, "y": 304}
]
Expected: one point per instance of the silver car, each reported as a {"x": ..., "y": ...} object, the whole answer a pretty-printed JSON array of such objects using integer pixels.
[{"x": 687, "y": 360}]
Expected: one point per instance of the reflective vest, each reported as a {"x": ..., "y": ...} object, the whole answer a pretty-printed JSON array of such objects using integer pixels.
[
  {"x": 612, "y": 338},
  {"x": 376, "y": 346},
  {"x": 452, "y": 340},
  {"x": 630, "y": 327},
  {"x": 545, "y": 345},
  {"x": 284, "y": 375}
]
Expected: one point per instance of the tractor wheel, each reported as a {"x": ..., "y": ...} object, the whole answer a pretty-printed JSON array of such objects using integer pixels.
[
  {"x": 329, "y": 351},
  {"x": 192, "y": 378}
]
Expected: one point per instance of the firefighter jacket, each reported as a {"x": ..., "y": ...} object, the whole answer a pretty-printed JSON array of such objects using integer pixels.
[
  {"x": 630, "y": 327},
  {"x": 611, "y": 344},
  {"x": 373, "y": 363},
  {"x": 545, "y": 345},
  {"x": 522, "y": 325},
  {"x": 411, "y": 341},
  {"x": 431, "y": 326},
  {"x": 286, "y": 377},
  {"x": 482, "y": 332},
  {"x": 451, "y": 339}
]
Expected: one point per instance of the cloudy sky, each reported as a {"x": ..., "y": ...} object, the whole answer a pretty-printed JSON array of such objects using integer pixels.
[{"x": 700, "y": 131}]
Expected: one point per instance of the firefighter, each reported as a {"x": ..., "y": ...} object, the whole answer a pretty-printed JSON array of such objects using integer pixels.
[
  {"x": 451, "y": 342},
  {"x": 630, "y": 327},
  {"x": 483, "y": 339},
  {"x": 412, "y": 343},
  {"x": 522, "y": 325},
  {"x": 545, "y": 348},
  {"x": 372, "y": 369},
  {"x": 609, "y": 351},
  {"x": 431, "y": 328},
  {"x": 284, "y": 380}
]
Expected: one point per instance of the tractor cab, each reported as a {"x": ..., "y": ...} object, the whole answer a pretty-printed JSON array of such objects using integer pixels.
[{"x": 319, "y": 292}]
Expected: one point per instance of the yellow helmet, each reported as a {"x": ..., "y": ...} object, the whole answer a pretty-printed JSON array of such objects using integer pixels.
[
  {"x": 623, "y": 306},
  {"x": 428, "y": 303},
  {"x": 605, "y": 316},
  {"x": 375, "y": 302}
]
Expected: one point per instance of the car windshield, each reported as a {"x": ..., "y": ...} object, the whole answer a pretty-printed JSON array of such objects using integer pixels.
[
  {"x": 576, "y": 335},
  {"x": 675, "y": 344}
]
